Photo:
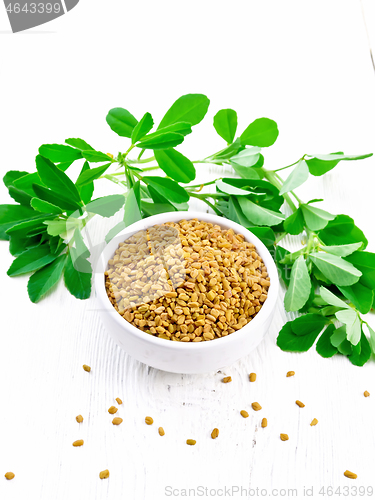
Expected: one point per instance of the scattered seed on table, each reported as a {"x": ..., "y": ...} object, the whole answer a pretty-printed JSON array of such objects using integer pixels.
[
  {"x": 9, "y": 475},
  {"x": 314, "y": 422},
  {"x": 366, "y": 394},
  {"x": 290, "y": 374},
  {"x": 215, "y": 433},
  {"x": 191, "y": 442},
  {"x": 256, "y": 406},
  {"x": 300, "y": 404},
  {"x": 87, "y": 368},
  {"x": 227, "y": 379},
  {"x": 104, "y": 474},
  {"x": 284, "y": 437},
  {"x": 244, "y": 413},
  {"x": 117, "y": 421},
  {"x": 253, "y": 377},
  {"x": 79, "y": 442},
  {"x": 112, "y": 410},
  {"x": 161, "y": 431},
  {"x": 119, "y": 401},
  {"x": 264, "y": 422},
  {"x": 149, "y": 420},
  {"x": 350, "y": 475},
  {"x": 79, "y": 418}
]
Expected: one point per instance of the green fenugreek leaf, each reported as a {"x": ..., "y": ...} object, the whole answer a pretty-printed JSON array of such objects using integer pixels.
[
  {"x": 59, "y": 153},
  {"x": 351, "y": 319},
  {"x": 324, "y": 346},
  {"x": 295, "y": 223},
  {"x": 31, "y": 260},
  {"x": 121, "y": 121},
  {"x": 79, "y": 144},
  {"x": 297, "y": 177},
  {"x": 56, "y": 180},
  {"x": 337, "y": 270},
  {"x": 190, "y": 108},
  {"x": 315, "y": 218},
  {"x": 167, "y": 188},
  {"x": 10, "y": 215},
  {"x": 225, "y": 123},
  {"x": 142, "y": 128},
  {"x": 45, "y": 278},
  {"x": 107, "y": 205},
  {"x": 259, "y": 215},
  {"x": 262, "y": 132},
  {"x": 88, "y": 175},
  {"x": 361, "y": 296},
  {"x": 44, "y": 206},
  {"x": 361, "y": 352},
  {"x": 299, "y": 287},
  {"x": 175, "y": 165},
  {"x": 77, "y": 282},
  {"x": 342, "y": 231}
]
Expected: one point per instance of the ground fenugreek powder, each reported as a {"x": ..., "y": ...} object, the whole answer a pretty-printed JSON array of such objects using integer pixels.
[{"x": 190, "y": 281}]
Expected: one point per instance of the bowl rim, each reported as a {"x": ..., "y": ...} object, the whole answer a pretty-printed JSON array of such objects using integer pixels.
[{"x": 261, "y": 317}]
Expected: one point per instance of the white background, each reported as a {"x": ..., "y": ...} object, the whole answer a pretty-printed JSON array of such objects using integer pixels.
[{"x": 305, "y": 64}]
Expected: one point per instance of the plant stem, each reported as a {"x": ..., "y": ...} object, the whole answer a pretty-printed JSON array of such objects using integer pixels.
[
  {"x": 288, "y": 166},
  {"x": 203, "y": 184},
  {"x": 145, "y": 160},
  {"x": 280, "y": 237},
  {"x": 274, "y": 179},
  {"x": 150, "y": 168},
  {"x": 203, "y": 198}
]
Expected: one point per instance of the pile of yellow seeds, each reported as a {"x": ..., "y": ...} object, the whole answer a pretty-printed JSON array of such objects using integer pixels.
[{"x": 187, "y": 281}]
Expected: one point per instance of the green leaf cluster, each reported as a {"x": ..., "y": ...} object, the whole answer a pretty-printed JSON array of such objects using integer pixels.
[{"x": 330, "y": 280}]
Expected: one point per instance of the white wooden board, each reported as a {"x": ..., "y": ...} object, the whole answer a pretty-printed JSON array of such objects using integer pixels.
[{"x": 305, "y": 64}]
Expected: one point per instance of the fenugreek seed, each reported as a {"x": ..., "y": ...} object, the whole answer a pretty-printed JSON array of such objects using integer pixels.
[
  {"x": 300, "y": 404},
  {"x": 253, "y": 377},
  {"x": 256, "y": 406},
  {"x": 79, "y": 442},
  {"x": 284, "y": 437},
  {"x": 191, "y": 442},
  {"x": 350, "y": 475},
  {"x": 366, "y": 394},
  {"x": 264, "y": 422},
  {"x": 112, "y": 410},
  {"x": 290, "y": 374},
  {"x": 117, "y": 421},
  {"x": 210, "y": 269},
  {"x": 314, "y": 422},
  {"x": 227, "y": 379},
  {"x": 104, "y": 474},
  {"x": 9, "y": 475},
  {"x": 119, "y": 401},
  {"x": 87, "y": 368},
  {"x": 215, "y": 433},
  {"x": 244, "y": 413},
  {"x": 161, "y": 431},
  {"x": 79, "y": 418},
  {"x": 149, "y": 420}
]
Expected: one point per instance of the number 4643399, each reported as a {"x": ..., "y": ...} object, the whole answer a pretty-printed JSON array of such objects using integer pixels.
[
  {"x": 33, "y": 8},
  {"x": 346, "y": 491}
]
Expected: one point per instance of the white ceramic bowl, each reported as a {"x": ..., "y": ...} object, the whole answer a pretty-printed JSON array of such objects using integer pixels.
[{"x": 180, "y": 357}]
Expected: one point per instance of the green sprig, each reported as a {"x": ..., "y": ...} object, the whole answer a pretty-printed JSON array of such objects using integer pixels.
[{"x": 330, "y": 280}]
